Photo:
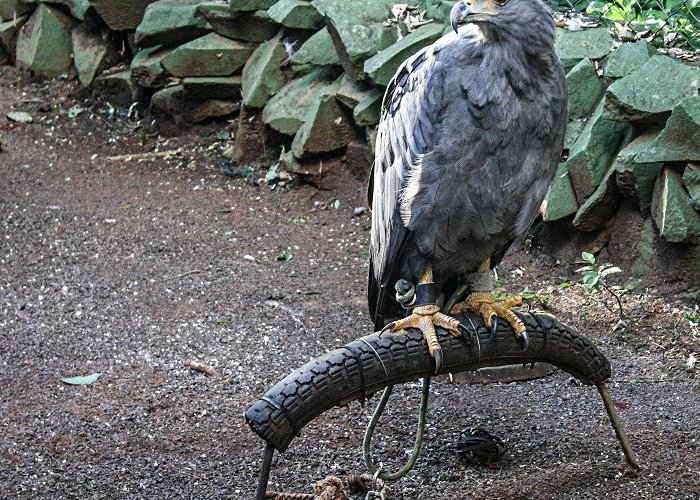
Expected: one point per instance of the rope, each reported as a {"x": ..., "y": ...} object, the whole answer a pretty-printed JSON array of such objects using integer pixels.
[{"x": 420, "y": 433}]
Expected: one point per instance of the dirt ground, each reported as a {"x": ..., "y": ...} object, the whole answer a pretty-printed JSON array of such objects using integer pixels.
[{"x": 128, "y": 268}]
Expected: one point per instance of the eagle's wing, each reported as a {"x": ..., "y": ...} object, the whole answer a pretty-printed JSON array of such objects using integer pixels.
[{"x": 410, "y": 114}]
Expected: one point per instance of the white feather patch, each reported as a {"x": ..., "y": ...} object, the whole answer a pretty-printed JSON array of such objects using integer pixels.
[{"x": 411, "y": 189}]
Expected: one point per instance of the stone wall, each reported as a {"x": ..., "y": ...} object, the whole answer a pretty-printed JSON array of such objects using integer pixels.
[{"x": 314, "y": 72}]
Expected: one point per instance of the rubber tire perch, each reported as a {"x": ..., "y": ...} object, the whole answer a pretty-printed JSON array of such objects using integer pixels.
[{"x": 369, "y": 364}]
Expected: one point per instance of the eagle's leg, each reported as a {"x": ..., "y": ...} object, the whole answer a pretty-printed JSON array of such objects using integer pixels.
[
  {"x": 426, "y": 316},
  {"x": 480, "y": 302}
]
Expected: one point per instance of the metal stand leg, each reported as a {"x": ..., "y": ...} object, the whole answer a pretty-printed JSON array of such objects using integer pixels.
[
  {"x": 617, "y": 425},
  {"x": 265, "y": 472}
]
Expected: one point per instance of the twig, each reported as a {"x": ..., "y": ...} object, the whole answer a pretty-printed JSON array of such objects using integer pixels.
[
  {"x": 617, "y": 297},
  {"x": 190, "y": 273},
  {"x": 200, "y": 367},
  {"x": 144, "y": 156}
]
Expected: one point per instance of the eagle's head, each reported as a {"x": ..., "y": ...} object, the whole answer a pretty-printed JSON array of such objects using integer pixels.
[{"x": 499, "y": 13}]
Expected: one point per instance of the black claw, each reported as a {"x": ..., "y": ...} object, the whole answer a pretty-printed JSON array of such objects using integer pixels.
[
  {"x": 465, "y": 331},
  {"x": 438, "y": 361},
  {"x": 494, "y": 326},
  {"x": 526, "y": 340},
  {"x": 387, "y": 327}
]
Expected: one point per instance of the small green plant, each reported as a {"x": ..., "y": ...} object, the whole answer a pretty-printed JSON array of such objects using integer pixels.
[
  {"x": 595, "y": 276},
  {"x": 674, "y": 23},
  {"x": 543, "y": 298}
]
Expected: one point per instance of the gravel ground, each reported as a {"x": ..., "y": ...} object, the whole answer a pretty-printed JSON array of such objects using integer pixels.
[{"x": 129, "y": 268}]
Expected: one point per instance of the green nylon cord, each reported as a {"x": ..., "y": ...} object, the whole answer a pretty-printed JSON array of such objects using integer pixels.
[
  {"x": 420, "y": 432},
  {"x": 422, "y": 416}
]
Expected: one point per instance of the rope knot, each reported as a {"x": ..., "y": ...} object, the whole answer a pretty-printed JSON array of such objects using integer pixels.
[{"x": 330, "y": 488}]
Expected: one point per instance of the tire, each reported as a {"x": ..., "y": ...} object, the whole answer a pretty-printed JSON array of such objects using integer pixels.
[{"x": 371, "y": 363}]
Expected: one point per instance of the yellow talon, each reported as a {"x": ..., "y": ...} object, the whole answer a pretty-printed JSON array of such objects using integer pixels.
[{"x": 482, "y": 304}]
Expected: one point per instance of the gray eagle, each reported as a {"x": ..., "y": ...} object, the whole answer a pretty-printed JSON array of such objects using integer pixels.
[{"x": 472, "y": 130}]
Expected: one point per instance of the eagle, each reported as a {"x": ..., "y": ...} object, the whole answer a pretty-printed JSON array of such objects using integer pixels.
[{"x": 471, "y": 132}]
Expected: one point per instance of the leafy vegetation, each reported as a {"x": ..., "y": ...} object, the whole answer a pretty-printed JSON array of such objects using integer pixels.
[
  {"x": 595, "y": 275},
  {"x": 669, "y": 22}
]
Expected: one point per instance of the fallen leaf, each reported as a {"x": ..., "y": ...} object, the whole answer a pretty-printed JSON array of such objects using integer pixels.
[
  {"x": 284, "y": 257},
  {"x": 20, "y": 117},
  {"x": 86, "y": 380}
]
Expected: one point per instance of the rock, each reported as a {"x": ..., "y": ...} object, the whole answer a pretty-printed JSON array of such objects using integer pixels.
[
  {"x": 574, "y": 46},
  {"x": 210, "y": 55},
  {"x": 592, "y": 154},
  {"x": 20, "y": 117},
  {"x": 439, "y": 10},
  {"x": 627, "y": 58},
  {"x": 8, "y": 35},
  {"x": 652, "y": 91},
  {"x": 573, "y": 132},
  {"x": 121, "y": 15},
  {"x": 363, "y": 100},
  {"x": 679, "y": 141},
  {"x": 299, "y": 14},
  {"x": 325, "y": 128},
  {"x": 637, "y": 180},
  {"x": 382, "y": 67},
  {"x": 357, "y": 30},
  {"x": 585, "y": 89},
  {"x": 262, "y": 74},
  {"x": 317, "y": 51},
  {"x": 691, "y": 179},
  {"x": 95, "y": 48},
  {"x": 560, "y": 201},
  {"x": 350, "y": 92},
  {"x": 172, "y": 101},
  {"x": 600, "y": 207},
  {"x": 250, "y": 5},
  {"x": 77, "y": 8},
  {"x": 672, "y": 211},
  {"x": 286, "y": 110},
  {"x": 200, "y": 88},
  {"x": 171, "y": 22},
  {"x": 11, "y": 9},
  {"x": 43, "y": 43},
  {"x": 147, "y": 70},
  {"x": 368, "y": 111},
  {"x": 118, "y": 88},
  {"x": 254, "y": 27}
]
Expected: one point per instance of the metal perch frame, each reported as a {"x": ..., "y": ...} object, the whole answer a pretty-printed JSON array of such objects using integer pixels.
[{"x": 377, "y": 361}]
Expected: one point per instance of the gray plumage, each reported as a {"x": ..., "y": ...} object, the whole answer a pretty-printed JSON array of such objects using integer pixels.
[{"x": 471, "y": 133}]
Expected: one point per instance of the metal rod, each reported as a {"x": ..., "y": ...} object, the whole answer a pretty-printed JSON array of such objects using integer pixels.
[
  {"x": 265, "y": 472},
  {"x": 617, "y": 425}
]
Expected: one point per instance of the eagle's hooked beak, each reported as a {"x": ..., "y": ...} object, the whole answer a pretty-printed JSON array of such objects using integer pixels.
[
  {"x": 465, "y": 12},
  {"x": 457, "y": 15}
]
